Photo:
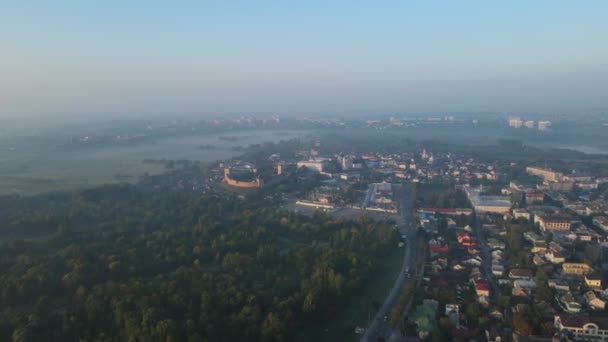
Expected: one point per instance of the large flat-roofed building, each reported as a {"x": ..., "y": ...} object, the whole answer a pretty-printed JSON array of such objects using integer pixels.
[
  {"x": 487, "y": 204},
  {"x": 547, "y": 174},
  {"x": 553, "y": 222}
]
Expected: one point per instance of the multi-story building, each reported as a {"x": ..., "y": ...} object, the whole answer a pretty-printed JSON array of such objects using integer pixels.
[
  {"x": 534, "y": 196},
  {"x": 560, "y": 185},
  {"x": 546, "y": 174},
  {"x": 576, "y": 268},
  {"x": 582, "y": 327},
  {"x": 553, "y": 222}
]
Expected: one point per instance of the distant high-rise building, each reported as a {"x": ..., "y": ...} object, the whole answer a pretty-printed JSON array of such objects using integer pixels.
[
  {"x": 543, "y": 125},
  {"x": 529, "y": 124},
  {"x": 515, "y": 122}
]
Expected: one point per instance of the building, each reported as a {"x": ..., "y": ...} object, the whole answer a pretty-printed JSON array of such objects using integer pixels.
[
  {"x": 560, "y": 186},
  {"x": 544, "y": 125},
  {"x": 582, "y": 327},
  {"x": 482, "y": 289},
  {"x": 498, "y": 270},
  {"x": 558, "y": 284},
  {"x": 533, "y": 237},
  {"x": 313, "y": 164},
  {"x": 553, "y": 222},
  {"x": 555, "y": 257},
  {"x": 529, "y": 124},
  {"x": 547, "y": 174},
  {"x": 448, "y": 211},
  {"x": 594, "y": 302},
  {"x": 539, "y": 247},
  {"x": 520, "y": 273},
  {"x": 528, "y": 284},
  {"x": 594, "y": 280},
  {"x": 515, "y": 122},
  {"x": 576, "y": 268},
  {"x": 602, "y": 222},
  {"x": 568, "y": 303},
  {"x": 521, "y": 214},
  {"x": 487, "y": 204},
  {"x": 453, "y": 312},
  {"x": 534, "y": 196},
  {"x": 241, "y": 176}
]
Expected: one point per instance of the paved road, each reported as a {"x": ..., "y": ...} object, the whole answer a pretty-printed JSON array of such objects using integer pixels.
[
  {"x": 487, "y": 259},
  {"x": 378, "y": 327}
]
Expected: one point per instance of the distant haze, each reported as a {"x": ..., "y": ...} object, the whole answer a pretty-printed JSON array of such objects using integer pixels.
[{"x": 114, "y": 58}]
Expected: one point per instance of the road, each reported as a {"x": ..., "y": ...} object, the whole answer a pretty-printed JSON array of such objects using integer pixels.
[
  {"x": 487, "y": 258},
  {"x": 406, "y": 224}
]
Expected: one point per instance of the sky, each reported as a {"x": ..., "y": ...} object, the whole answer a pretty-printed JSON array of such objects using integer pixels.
[{"x": 113, "y": 58}]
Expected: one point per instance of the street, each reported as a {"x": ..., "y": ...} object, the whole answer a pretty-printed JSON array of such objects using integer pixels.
[{"x": 406, "y": 223}]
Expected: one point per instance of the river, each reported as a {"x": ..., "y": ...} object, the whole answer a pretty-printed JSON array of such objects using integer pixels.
[{"x": 29, "y": 171}]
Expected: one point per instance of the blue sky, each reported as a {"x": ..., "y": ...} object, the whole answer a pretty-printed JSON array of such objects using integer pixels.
[{"x": 179, "y": 57}]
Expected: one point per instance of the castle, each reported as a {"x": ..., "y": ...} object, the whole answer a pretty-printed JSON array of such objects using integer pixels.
[{"x": 256, "y": 183}]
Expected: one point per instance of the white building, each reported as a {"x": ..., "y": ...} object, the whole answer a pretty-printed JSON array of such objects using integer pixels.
[
  {"x": 544, "y": 125},
  {"x": 582, "y": 327},
  {"x": 515, "y": 122}
]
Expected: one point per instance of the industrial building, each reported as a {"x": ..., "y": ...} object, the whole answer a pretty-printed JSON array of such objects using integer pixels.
[{"x": 487, "y": 204}]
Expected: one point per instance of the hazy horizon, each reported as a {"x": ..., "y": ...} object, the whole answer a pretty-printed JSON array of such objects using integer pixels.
[{"x": 113, "y": 59}]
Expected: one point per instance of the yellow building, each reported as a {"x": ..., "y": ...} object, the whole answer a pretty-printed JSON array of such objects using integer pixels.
[
  {"x": 593, "y": 281},
  {"x": 576, "y": 268},
  {"x": 546, "y": 174}
]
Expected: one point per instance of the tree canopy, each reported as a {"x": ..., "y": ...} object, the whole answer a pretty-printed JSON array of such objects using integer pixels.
[{"x": 114, "y": 263}]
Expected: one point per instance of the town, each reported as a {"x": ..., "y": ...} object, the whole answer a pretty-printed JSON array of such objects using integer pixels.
[{"x": 504, "y": 250}]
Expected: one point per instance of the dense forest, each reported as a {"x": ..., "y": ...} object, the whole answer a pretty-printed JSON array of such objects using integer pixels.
[{"x": 117, "y": 264}]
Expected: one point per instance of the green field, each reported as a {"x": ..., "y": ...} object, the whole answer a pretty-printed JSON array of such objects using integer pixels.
[{"x": 363, "y": 308}]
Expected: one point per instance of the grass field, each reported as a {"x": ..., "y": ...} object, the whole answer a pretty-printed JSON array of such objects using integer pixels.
[{"x": 363, "y": 307}]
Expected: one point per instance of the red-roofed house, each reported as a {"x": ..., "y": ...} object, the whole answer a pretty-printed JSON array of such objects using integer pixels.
[{"x": 482, "y": 289}]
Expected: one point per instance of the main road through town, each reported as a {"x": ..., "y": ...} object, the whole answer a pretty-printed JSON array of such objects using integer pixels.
[{"x": 379, "y": 327}]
